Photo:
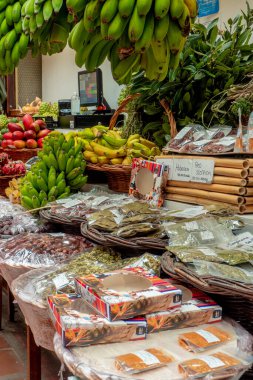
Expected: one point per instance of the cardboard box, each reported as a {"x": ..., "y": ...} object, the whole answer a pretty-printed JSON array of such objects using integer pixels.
[
  {"x": 197, "y": 309},
  {"x": 127, "y": 293},
  {"x": 78, "y": 326}
]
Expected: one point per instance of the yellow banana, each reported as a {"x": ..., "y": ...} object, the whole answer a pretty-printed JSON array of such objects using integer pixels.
[
  {"x": 114, "y": 142},
  {"x": 103, "y": 160},
  {"x": 86, "y": 145},
  {"x": 116, "y": 161},
  {"x": 133, "y": 137},
  {"x": 144, "y": 149},
  {"x": 131, "y": 143},
  {"x": 127, "y": 161},
  {"x": 192, "y": 6},
  {"x": 88, "y": 155},
  {"x": 147, "y": 143},
  {"x": 109, "y": 153}
]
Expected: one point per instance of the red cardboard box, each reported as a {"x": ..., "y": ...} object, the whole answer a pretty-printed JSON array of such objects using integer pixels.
[
  {"x": 127, "y": 293},
  {"x": 78, "y": 326}
]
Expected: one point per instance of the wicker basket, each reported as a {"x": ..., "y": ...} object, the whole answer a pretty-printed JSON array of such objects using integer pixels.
[
  {"x": 20, "y": 154},
  {"x": 63, "y": 224},
  {"x": 4, "y": 182},
  {"x": 135, "y": 244}
]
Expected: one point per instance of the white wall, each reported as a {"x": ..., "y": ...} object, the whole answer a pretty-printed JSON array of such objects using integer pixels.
[
  {"x": 59, "y": 78},
  {"x": 59, "y": 72}
]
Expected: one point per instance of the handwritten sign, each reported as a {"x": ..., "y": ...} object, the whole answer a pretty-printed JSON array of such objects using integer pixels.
[{"x": 189, "y": 170}]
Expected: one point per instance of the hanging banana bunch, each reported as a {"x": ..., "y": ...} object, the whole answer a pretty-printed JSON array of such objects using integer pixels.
[{"x": 134, "y": 35}]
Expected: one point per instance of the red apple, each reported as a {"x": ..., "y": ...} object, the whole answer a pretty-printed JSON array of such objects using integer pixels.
[
  {"x": 43, "y": 133},
  {"x": 40, "y": 142},
  {"x": 7, "y": 136},
  {"x": 13, "y": 127},
  {"x": 19, "y": 144},
  {"x": 7, "y": 144},
  {"x": 17, "y": 135},
  {"x": 34, "y": 127},
  {"x": 27, "y": 121},
  {"x": 41, "y": 123},
  {"x": 29, "y": 135},
  {"x": 31, "y": 144}
]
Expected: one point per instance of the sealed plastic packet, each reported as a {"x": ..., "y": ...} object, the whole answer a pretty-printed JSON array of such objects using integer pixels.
[
  {"x": 203, "y": 339},
  {"x": 140, "y": 361},
  {"x": 218, "y": 365},
  {"x": 190, "y": 133}
]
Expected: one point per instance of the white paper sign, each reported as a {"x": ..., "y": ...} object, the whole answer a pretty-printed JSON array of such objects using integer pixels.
[
  {"x": 202, "y": 171},
  {"x": 182, "y": 170},
  {"x": 189, "y": 170}
]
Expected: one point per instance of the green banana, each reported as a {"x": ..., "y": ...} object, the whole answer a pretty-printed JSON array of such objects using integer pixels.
[
  {"x": 53, "y": 161},
  {"x": 3, "y": 4},
  {"x": 42, "y": 184},
  {"x": 37, "y": 8},
  {"x": 117, "y": 143},
  {"x": 104, "y": 30},
  {"x": 60, "y": 177},
  {"x": 117, "y": 27},
  {"x": 88, "y": 24},
  {"x": 39, "y": 19},
  {"x": 53, "y": 192},
  {"x": 29, "y": 8},
  {"x": 8, "y": 15},
  {"x": 78, "y": 35},
  {"x": 2, "y": 16},
  {"x": 161, "y": 28},
  {"x": 98, "y": 55},
  {"x": 161, "y": 8},
  {"x": 18, "y": 27},
  {"x": 42, "y": 195},
  {"x": 185, "y": 21},
  {"x": 108, "y": 11},
  {"x": 26, "y": 202},
  {"x": 4, "y": 29},
  {"x": 61, "y": 186},
  {"x": 70, "y": 164},
  {"x": 32, "y": 24},
  {"x": 176, "y": 8},
  {"x": 2, "y": 48},
  {"x": 145, "y": 41},
  {"x": 74, "y": 173},
  {"x": 57, "y": 5},
  {"x": 8, "y": 60},
  {"x": 47, "y": 10},
  {"x": 93, "y": 9},
  {"x": 79, "y": 181},
  {"x": 35, "y": 202},
  {"x": 62, "y": 161},
  {"x": 15, "y": 55},
  {"x": 16, "y": 12},
  {"x": 176, "y": 39},
  {"x": 136, "y": 26},
  {"x": 23, "y": 43},
  {"x": 126, "y": 8},
  {"x": 10, "y": 39},
  {"x": 51, "y": 178},
  {"x": 143, "y": 7},
  {"x": 66, "y": 194},
  {"x": 125, "y": 66},
  {"x": 75, "y": 6},
  {"x": 90, "y": 46}
]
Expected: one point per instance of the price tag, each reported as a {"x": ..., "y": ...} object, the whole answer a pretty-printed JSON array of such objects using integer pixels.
[
  {"x": 190, "y": 212},
  {"x": 182, "y": 170},
  {"x": 202, "y": 171},
  {"x": 245, "y": 238},
  {"x": 72, "y": 203},
  {"x": 60, "y": 281},
  {"x": 169, "y": 162},
  {"x": 212, "y": 361}
]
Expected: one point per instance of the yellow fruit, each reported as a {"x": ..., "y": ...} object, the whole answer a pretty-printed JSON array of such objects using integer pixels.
[
  {"x": 96, "y": 132},
  {"x": 130, "y": 143},
  {"x": 127, "y": 161},
  {"x": 94, "y": 159},
  {"x": 103, "y": 160},
  {"x": 86, "y": 145},
  {"x": 147, "y": 143},
  {"x": 104, "y": 151},
  {"x": 116, "y": 161},
  {"x": 89, "y": 155},
  {"x": 133, "y": 137}
]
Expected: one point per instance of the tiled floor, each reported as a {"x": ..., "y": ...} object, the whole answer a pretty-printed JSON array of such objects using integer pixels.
[{"x": 13, "y": 351}]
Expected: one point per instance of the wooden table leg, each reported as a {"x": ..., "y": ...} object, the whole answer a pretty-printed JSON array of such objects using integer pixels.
[
  {"x": 1, "y": 301},
  {"x": 11, "y": 308},
  {"x": 33, "y": 357}
]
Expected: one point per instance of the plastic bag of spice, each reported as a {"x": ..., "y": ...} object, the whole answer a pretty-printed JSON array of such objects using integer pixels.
[
  {"x": 218, "y": 365},
  {"x": 145, "y": 360}
]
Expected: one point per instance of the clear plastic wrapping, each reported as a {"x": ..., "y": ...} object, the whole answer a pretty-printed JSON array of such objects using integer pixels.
[
  {"x": 20, "y": 223},
  {"x": 242, "y": 273},
  {"x": 199, "y": 232},
  {"x": 41, "y": 250},
  {"x": 203, "y": 339},
  {"x": 218, "y": 365},
  {"x": 145, "y": 360},
  {"x": 97, "y": 260},
  {"x": 212, "y": 254},
  {"x": 190, "y": 133}
]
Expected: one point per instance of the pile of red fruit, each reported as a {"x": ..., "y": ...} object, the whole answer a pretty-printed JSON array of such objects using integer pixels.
[
  {"x": 28, "y": 133},
  {"x": 9, "y": 167}
]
